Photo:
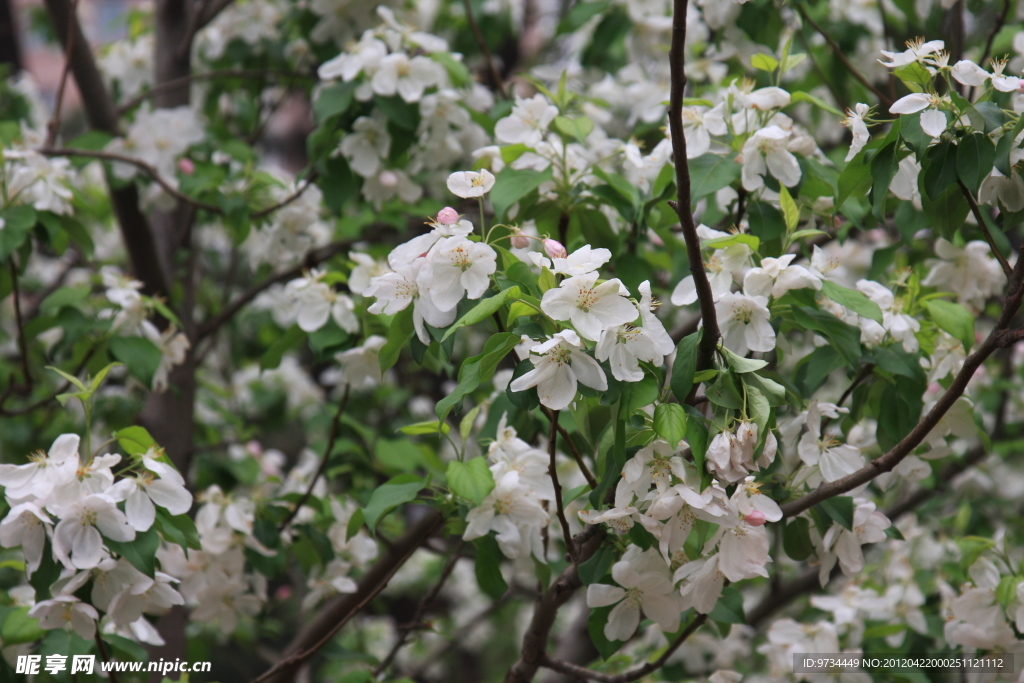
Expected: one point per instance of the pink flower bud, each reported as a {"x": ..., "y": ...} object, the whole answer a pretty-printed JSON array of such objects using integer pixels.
[
  {"x": 755, "y": 518},
  {"x": 388, "y": 178},
  {"x": 520, "y": 241},
  {"x": 283, "y": 593},
  {"x": 447, "y": 216},
  {"x": 186, "y": 166},
  {"x": 554, "y": 249}
]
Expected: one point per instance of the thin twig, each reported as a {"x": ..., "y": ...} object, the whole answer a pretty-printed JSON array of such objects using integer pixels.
[
  {"x": 976, "y": 210},
  {"x": 138, "y": 163},
  {"x": 709, "y": 341},
  {"x": 335, "y": 424},
  {"x": 54, "y": 126},
  {"x": 459, "y": 636},
  {"x": 312, "y": 259},
  {"x": 331, "y": 619},
  {"x": 627, "y": 676},
  {"x": 313, "y": 175},
  {"x": 103, "y": 653},
  {"x": 553, "y": 473},
  {"x": 52, "y": 397},
  {"x": 421, "y": 608},
  {"x": 577, "y": 456},
  {"x": 254, "y": 74},
  {"x": 482, "y": 43},
  {"x": 22, "y": 344},
  {"x": 841, "y": 56}
]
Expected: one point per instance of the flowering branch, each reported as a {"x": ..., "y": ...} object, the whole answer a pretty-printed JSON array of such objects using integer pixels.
[
  {"x": 1000, "y": 337},
  {"x": 709, "y": 342},
  {"x": 838, "y": 52},
  {"x": 485, "y": 50},
  {"x": 335, "y": 423},
  {"x": 54, "y": 126},
  {"x": 254, "y": 74},
  {"x": 627, "y": 676},
  {"x": 329, "y": 621},
  {"x": 553, "y": 473},
  {"x": 312, "y": 258},
  {"x": 429, "y": 598},
  {"x": 976, "y": 210}
]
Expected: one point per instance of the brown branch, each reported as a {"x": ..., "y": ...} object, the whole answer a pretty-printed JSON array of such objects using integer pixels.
[
  {"x": 485, "y": 50},
  {"x": 570, "y": 548},
  {"x": 627, "y": 676},
  {"x": 312, "y": 259},
  {"x": 103, "y": 652},
  {"x": 577, "y": 456},
  {"x": 138, "y": 163},
  {"x": 102, "y": 115},
  {"x": 313, "y": 175},
  {"x": 1000, "y": 337},
  {"x": 254, "y": 74},
  {"x": 421, "y": 608},
  {"x": 709, "y": 342},
  {"x": 841, "y": 56},
  {"x": 976, "y": 210},
  {"x": 332, "y": 437},
  {"x": 22, "y": 344},
  {"x": 330, "y": 619},
  {"x": 546, "y": 609},
  {"x": 54, "y": 126}
]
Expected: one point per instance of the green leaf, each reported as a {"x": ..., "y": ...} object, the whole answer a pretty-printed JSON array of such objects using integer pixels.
[
  {"x": 946, "y": 213},
  {"x": 685, "y": 365},
  {"x": 18, "y": 223},
  {"x": 845, "y": 338},
  {"x": 579, "y": 127},
  {"x": 401, "y": 331},
  {"x": 18, "y": 627},
  {"x": 512, "y": 185},
  {"x": 766, "y": 222},
  {"x": 796, "y": 539},
  {"x": 427, "y": 427},
  {"x": 940, "y": 169},
  {"x": 898, "y": 413},
  {"x": 670, "y": 422},
  {"x": 738, "y": 363},
  {"x": 477, "y": 369},
  {"x": 355, "y": 523},
  {"x": 77, "y": 383},
  {"x": 953, "y": 318},
  {"x": 884, "y": 166},
  {"x": 1007, "y": 142},
  {"x": 398, "y": 490},
  {"x": 789, "y": 208},
  {"x": 975, "y": 157},
  {"x": 914, "y": 76},
  {"x": 483, "y": 310},
  {"x": 971, "y": 548},
  {"x": 595, "y": 629},
  {"x": 710, "y": 173},
  {"x": 141, "y": 356},
  {"x": 135, "y": 440},
  {"x": 401, "y": 113},
  {"x": 179, "y": 529},
  {"x": 333, "y": 99},
  {"x": 594, "y": 569},
  {"x": 65, "y": 296},
  {"x": 487, "y": 566},
  {"x": 855, "y": 180},
  {"x": 471, "y": 480},
  {"x": 763, "y": 62},
  {"x": 751, "y": 241},
  {"x": 141, "y": 552},
  {"x": 800, "y": 96},
  {"x": 839, "y": 509},
  {"x": 644, "y": 393},
  {"x": 729, "y": 608},
  {"x": 697, "y": 437},
  {"x": 853, "y": 299}
]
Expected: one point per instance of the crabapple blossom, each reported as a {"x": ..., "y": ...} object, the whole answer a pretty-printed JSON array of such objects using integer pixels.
[
  {"x": 933, "y": 118},
  {"x": 76, "y": 538},
  {"x": 512, "y": 511},
  {"x": 777, "y": 276},
  {"x": 468, "y": 184},
  {"x": 766, "y": 152},
  {"x": 45, "y": 471},
  {"x": 458, "y": 267},
  {"x": 558, "y": 364},
  {"x": 869, "y": 526},
  {"x": 527, "y": 123},
  {"x": 744, "y": 323},
  {"x": 855, "y": 121},
  {"x": 591, "y": 307},
  {"x": 643, "y": 584},
  {"x": 66, "y": 612}
]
